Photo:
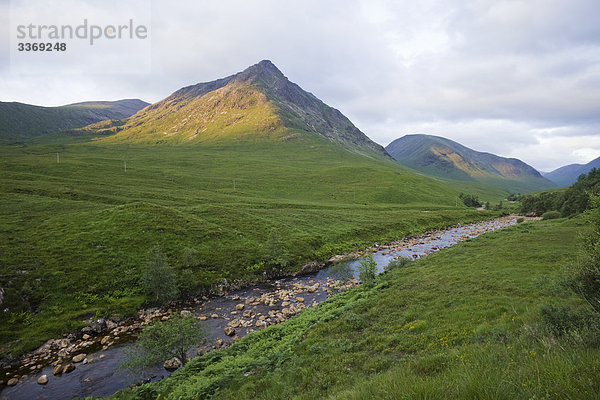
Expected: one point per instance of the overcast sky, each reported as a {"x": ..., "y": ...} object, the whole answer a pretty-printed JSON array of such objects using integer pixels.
[{"x": 515, "y": 78}]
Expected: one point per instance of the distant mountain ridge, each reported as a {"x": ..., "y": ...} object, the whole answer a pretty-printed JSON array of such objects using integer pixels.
[
  {"x": 567, "y": 175},
  {"x": 19, "y": 121},
  {"x": 438, "y": 156},
  {"x": 259, "y": 103}
]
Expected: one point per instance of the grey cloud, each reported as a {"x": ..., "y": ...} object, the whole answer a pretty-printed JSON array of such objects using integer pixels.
[{"x": 526, "y": 74}]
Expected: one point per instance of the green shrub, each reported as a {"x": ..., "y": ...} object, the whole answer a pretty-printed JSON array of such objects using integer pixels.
[
  {"x": 367, "y": 269},
  {"x": 398, "y": 263},
  {"x": 559, "y": 319},
  {"x": 470, "y": 200},
  {"x": 551, "y": 215},
  {"x": 163, "y": 340},
  {"x": 159, "y": 278}
]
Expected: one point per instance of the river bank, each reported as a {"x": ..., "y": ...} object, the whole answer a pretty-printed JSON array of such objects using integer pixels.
[{"x": 97, "y": 353}]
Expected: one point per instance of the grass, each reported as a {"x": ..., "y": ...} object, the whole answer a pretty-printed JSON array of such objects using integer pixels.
[
  {"x": 20, "y": 122},
  {"x": 75, "y": 233},
  {"x": 464, "y": 323}
]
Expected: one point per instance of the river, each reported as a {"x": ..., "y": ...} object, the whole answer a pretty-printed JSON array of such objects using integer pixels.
[{"x": 243, "y": 310}]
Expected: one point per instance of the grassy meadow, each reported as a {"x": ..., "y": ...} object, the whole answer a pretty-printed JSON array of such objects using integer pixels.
[
  {"x": 76, "y": 228},
  {"x": 489, "y": 318}
]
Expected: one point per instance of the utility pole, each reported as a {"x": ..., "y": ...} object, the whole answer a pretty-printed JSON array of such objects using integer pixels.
[{"x": 125, "y": 162}]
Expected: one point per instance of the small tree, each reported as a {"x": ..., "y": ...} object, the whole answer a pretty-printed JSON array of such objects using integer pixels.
[
  {"x": 276, "y": 254},
  {"x": 158, "y": 278},
  {"x": 367, "y": 269},
  {"x": 470, "y": 200},
  {"x": 164, "y": 340}
]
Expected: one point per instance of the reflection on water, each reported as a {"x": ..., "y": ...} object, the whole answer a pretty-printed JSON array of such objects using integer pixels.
[{"x": 343, "y": 271}]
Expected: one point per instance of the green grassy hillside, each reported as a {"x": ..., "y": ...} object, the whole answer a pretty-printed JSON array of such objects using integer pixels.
[
  {"x": 441, "y": 157},
  {"x": 19, "y": 121},
  {"x": 464, "y": 323},
  {"x": 75, "y": 233}
]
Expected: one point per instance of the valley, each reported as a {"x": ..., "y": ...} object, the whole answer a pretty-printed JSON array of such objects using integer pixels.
[
  {"x": 124, "y": 211},
  {"x": 76, "y": 233}
]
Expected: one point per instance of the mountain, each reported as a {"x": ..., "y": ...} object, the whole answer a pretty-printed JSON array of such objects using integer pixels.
[
  {"x": 20, "y": 121},
  {"x": 567, "y": 175},
  {"x": 259, "y": 103},
  {"x": 438, "y": 156}
]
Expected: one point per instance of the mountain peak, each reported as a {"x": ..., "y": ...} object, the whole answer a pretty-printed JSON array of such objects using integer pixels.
[
  {"x": 258, "y": 102},
  {"x": 263, "y": 72}
]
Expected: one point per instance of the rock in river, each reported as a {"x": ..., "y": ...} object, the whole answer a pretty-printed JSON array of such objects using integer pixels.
[
  {"x": 79, "y": 358},
  {"x": 229, "y": 331},
  {"x": 68, "y": 368},
  {"x": 172, "y": 364},
  {"x": 58, "y": 370},
  {"x": 12, "y": 382},
  {"x": 42, "y": 380}
]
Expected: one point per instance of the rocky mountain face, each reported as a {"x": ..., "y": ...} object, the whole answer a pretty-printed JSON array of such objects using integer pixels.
[
  {"x": 259, "y": 103},
  {"x": 567, "y": 175},
  {"x": 20, "y": 121},
  {"x": 445, "y": 158}
]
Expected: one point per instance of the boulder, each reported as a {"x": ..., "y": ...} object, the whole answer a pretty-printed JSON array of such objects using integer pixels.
[
  {"x": 185, "y": 313},
  {"x": 68, "y": 368},
  {"x": 202, "y": 351},
  {"x": 42, "y": 380},
  {"x": 104, "y": 340},
  {"x": 87, "y": 330},
  {"x": 58, "y": 370},
  {"x": 79, "y": 358},
  {"x": 12, "y": 382},
  {"x": 98, "y": 326},
  {"x": 247, "y": 314},
  {"x": 313, "y": 266},
  {"x": 63, "y": 352},
  {"x": 64, "y": 343},
  {"x": 239, "y": 307},
  {"x": 229, "y": 331},
  {"x": 110, "y": 325},
  {"x": 172, "y": 364},
  {"x": 214, "y": 315},
  {"x": 86, "y": 336}
]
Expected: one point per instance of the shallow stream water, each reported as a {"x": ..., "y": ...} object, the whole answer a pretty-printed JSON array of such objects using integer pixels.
[{"x": 247, "y": 310}]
